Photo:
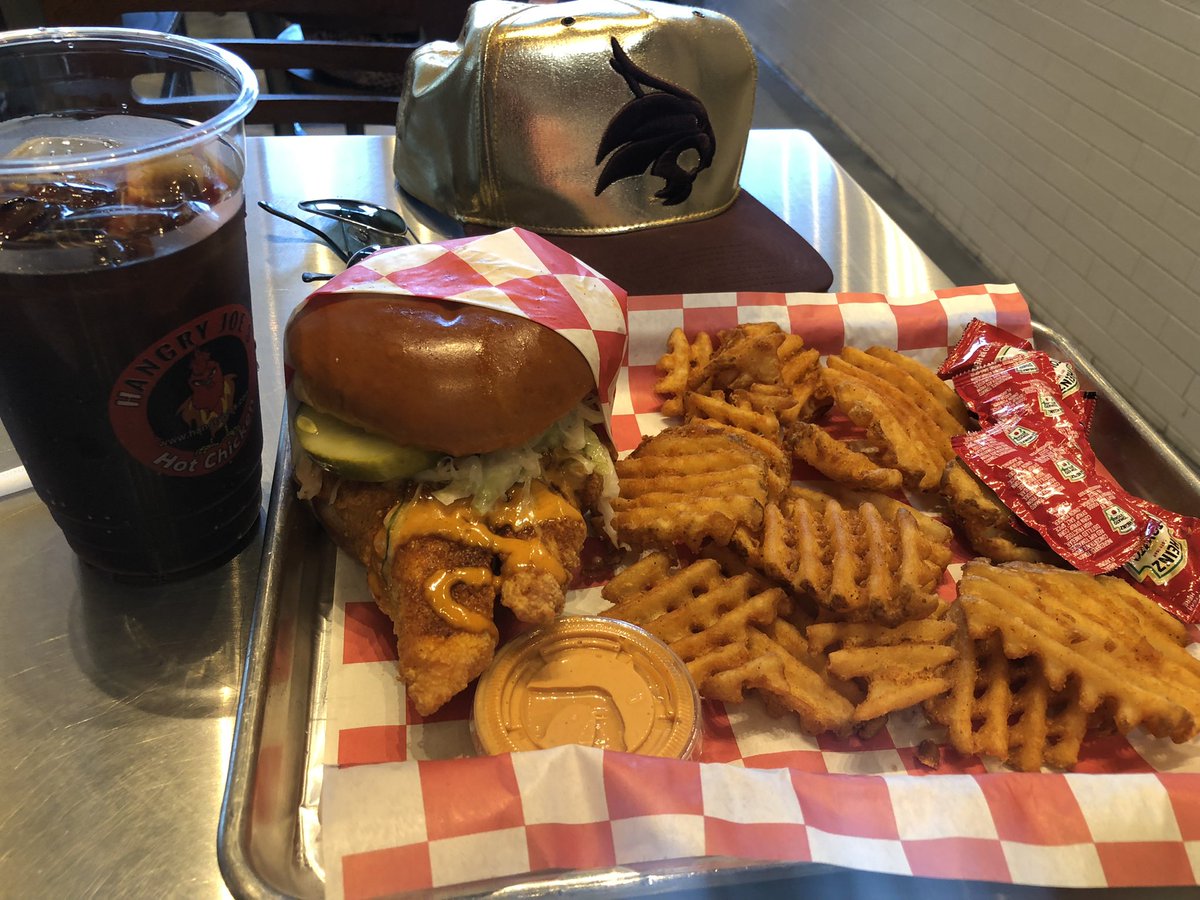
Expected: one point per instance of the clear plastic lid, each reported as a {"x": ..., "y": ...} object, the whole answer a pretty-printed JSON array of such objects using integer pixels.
[{"x": 587, "y": 680}]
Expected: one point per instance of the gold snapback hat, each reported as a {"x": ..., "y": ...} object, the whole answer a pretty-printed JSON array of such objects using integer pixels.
[{"x": 616, "y": 128}]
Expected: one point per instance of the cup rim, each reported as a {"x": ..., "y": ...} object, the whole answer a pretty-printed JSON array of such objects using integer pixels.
[{"x": 202, "y": 52}]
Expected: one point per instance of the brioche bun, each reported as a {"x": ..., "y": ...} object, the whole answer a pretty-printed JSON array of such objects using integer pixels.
[{"x": 434, "y": 374}]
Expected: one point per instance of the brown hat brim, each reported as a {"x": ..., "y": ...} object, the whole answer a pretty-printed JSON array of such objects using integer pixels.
[{"x": 745, "y": 248}]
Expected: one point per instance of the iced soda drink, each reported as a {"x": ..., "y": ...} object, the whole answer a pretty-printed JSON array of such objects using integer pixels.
[{"x": 128, "y": 381}]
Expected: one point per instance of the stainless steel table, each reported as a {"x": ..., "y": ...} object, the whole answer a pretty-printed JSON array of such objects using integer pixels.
[{"x": 116, "y": 702}]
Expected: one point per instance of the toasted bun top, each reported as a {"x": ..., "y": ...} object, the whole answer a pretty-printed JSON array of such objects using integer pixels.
[{"x": 435, "y": 374}]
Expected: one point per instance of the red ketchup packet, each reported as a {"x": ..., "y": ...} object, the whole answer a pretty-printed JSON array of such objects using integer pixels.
[
  {"x": 979, "y": 345},
  {"x": 1050, "y": 480},
  {"x": 1168, "y": 568},
  {"x": 982, "y": 344},
  {"x": 1015, "y": 386},
  {"x": 1034, "y": 453}
]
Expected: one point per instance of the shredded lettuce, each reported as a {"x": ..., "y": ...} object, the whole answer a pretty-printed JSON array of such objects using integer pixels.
[{"x": 570, "y": 441}]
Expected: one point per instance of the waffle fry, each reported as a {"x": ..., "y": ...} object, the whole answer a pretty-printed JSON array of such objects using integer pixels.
[
  {"x": 638, "y": 578},
  {"x": 796, "y": 364},
  {"x": 754, "y": 367},
  {"x": 699, "y": 406},
  {"x": 799, "y": 372},
  {"x": 886, "y": 427},
  {"x": 837, "y": 461},
  {"x": 688, "y": 484},
  {"x": 855, "y": 563},
  {"x": 986, "y": 522},
  {"x": 746, "y": 355},
  {"x": 779, "y": 465},
  {"x": 681, "y": 368},
  {"x": 893, "y": 427},
  {"x": 1006, "y": 708},
  {"x": 763, "y": 398},
  {"x": 969, "y": 499},
  {"x": 1005, "y": 544},
  {"x": 1117, "y": 646},
  {"x": 789, "y": 681},
  {"x": 701, "y": 614},
  {"x": 888, "y": 507},
  {"x": 728, "y": 632},
  {"x": 902, "y": 665},
  {"x": 907, "y": 407},
  {"x": 941, "y": 392},
  {"x": 899, "y": 380}
]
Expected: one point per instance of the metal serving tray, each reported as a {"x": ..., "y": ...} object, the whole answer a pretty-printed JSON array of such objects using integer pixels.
[{"x": 268, "y": 839}]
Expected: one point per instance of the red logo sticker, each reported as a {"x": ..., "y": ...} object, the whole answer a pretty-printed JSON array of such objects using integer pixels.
[{"x": 184, "y": 406}]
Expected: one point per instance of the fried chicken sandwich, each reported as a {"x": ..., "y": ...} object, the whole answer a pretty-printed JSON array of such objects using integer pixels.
[{"x": 450, "y": 448}]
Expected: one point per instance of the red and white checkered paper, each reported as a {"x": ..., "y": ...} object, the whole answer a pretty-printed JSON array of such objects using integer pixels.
[{"x": 428, "y": 813}]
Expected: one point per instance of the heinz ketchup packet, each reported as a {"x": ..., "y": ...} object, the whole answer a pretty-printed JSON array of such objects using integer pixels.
[
  {"x": 1011, "y": 387},
  {"x": 1034, "y": 453},
  {"x": 982, "y": 345},
  {"x": 1054, "y": 486},
  {"x": 979, "y": 345},
  {"x": 1166, "y": 569}
]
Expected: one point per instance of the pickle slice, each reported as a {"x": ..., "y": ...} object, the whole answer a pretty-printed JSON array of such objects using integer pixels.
[{"x": 354, "y": 453}]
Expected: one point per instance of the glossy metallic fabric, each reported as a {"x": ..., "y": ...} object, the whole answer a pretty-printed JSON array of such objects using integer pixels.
[{"x": 509, "y": 126}]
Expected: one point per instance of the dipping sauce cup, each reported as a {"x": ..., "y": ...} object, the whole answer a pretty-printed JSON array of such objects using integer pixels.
[
  {"x": 587, "y": 680},
  {"x": 128, "y": 381}
]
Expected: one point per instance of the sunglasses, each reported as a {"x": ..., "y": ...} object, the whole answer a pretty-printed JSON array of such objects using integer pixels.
[{"x": 359, "y": 228}]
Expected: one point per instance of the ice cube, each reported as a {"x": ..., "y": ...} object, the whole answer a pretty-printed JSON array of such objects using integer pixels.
[{"x": 22, "y": 216}]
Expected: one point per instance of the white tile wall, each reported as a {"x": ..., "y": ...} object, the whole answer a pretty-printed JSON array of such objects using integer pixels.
[{"x": 1056, "y": 140}]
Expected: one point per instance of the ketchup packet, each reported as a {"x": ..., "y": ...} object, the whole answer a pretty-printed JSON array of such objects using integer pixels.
[
  {"x": 982, "y": 344},
  {"x": 1034, "y": 453},
  {"x": 1051, "y": 482},
  {"x": 1167, "y": 570},
  {"x": 1087, "y": 408},
  {"x": 979, "y": 345},
  {"x": 1015, "y": 386}
]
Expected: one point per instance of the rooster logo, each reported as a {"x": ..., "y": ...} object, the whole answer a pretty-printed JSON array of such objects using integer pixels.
[
  {"x": 652, "y": 131},
  {"x": 211, "y": 400}
]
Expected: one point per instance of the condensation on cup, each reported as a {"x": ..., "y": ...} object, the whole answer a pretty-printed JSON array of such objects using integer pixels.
[{"x": 128, "y": 381}]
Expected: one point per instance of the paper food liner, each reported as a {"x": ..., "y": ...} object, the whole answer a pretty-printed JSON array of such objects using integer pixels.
[{"x": 407, "y": 806}]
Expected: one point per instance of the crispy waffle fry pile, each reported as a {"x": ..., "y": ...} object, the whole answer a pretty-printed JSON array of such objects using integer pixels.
[{"x": 825, "y": 602}]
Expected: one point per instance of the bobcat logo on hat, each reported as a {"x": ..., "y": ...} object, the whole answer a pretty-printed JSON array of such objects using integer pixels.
[{"x": 652, "y": 130}]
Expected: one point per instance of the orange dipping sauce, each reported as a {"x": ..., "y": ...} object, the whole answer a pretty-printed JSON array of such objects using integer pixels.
[{"x": 592, "y": 681}]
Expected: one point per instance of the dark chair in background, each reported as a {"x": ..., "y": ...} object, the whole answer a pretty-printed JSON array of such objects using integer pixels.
[{"x": 299, "y": 85}]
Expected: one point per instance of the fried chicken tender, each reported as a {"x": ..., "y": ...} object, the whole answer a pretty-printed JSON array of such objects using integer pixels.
[
  {"x": 438, "y": 575},
  {"x": 535, "y": 595},
  {"x": 437, "y": 659},
  {"x": 351, "y": 512}
]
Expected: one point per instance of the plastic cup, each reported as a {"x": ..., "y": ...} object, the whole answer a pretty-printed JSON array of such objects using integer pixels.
[
  {"x": 128, "y": 381},
  {"x": 587, "y": 680}
]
